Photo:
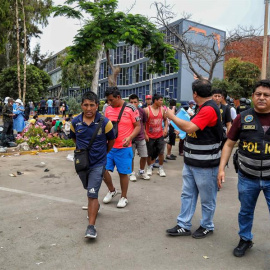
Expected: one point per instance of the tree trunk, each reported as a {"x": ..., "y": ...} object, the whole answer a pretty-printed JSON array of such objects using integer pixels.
[
  {"x": 96, "y": 71},
  {"x": 18, "y": 49},
  {"x": 24, "y": 53},
  {"x": 112, "y": 79},
  {"x": 8, "y": 50}
]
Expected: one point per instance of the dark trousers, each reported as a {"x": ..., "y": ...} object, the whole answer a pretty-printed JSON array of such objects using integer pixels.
[
  {"x": 7, "y": 134},
  {"x": 181, "y": 146}
]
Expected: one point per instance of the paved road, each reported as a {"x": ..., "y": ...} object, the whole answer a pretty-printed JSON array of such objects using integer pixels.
[{"x": 42, "y": 224}]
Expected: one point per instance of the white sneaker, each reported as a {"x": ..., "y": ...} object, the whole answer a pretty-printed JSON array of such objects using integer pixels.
[
  {"x": 122, "y": 202},
  {"x": 109, "y": 196},
  {"x": 149, "y": 170},
  {"x": 132, "y": 177},
  {"x": 161, "y": 172},
  {"x": 144, "y": 176}
]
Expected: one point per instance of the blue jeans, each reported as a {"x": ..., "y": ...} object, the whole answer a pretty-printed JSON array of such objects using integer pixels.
[
  {"x": 248, "y": 193},
  {"x": 197, "y": 181},
  {"x": 50, "y": 111}
]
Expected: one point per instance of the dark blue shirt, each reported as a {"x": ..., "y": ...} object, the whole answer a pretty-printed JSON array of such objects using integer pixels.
[{"x": 83, "y": 134}]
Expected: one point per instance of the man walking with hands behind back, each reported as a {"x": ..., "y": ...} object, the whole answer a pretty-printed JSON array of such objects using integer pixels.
[
  {"x": 82, "y": 129},
  {"x": 252, "y": 128},
  {"x": 121, "y": 154}
]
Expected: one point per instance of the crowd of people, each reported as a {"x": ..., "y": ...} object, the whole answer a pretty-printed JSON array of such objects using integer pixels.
[
  {"x": 213, "y": 127},
  {"x": 16, "y": 117}
]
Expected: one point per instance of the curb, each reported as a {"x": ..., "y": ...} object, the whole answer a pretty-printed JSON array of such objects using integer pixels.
[{"x": 36, "y": 152}]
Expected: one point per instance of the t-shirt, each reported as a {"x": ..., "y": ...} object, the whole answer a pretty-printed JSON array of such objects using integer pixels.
[
  {"x": 80, "y": 131},
  {"x": 235, "y": 130},
  {"x": 42, "y": 103},
  {"x": 50, "y": 103},
  {"x": 125, "y": 126},
  {"x": 206, "y": 117},
  {"x": 143, "y": 118}
]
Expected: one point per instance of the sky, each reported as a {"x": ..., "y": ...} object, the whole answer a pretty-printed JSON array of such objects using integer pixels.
[{"x": 221, "y": 14}]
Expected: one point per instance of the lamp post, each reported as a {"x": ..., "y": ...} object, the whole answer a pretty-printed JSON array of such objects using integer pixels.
[{"x": 265, "y": 38}]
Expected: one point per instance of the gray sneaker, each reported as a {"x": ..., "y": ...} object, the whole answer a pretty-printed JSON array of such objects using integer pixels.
[{"x": 91, "y": 232}]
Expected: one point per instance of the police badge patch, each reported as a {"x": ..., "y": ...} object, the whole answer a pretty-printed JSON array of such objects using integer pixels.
[{"x": 248, "y": 118}]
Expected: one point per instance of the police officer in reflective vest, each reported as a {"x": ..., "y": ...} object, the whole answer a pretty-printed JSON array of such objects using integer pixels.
[
  {"x": 252, "y": 128},
  {"x": 243, "y": 106},
  {"x": 202, "y": 151}
]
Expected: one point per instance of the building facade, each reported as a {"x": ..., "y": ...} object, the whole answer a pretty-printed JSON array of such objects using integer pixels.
[{"x": 134, "y": 77}]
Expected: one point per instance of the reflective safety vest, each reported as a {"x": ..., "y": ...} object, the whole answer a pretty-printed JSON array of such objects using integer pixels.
[
  {"x": 203, "y": 147},
  {"x": 254, "y": 147}
]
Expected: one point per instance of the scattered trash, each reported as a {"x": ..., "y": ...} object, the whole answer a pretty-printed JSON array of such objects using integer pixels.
[
  {"x": 2, "y": 156},
  {"x": 37, "y": 217},
  {"x": 85, "y": 208},
  {"x": 205, "y": 257},
  {"x": 39, "y": 263},
  {"x": 17, "y": 154},
  {"x": 42, "y": 163},
  {"x": 53, "y": 244},
  {"x": 19, "y": 173},
  {"x": 12, "y": 175},
  {"x": 23, "y": 146},
  {"x": 70, "y": 157},
  {"x": 3, "y": 149},
  {"x": 55, "y": 149},
  {"x": 46, "y": 170}
]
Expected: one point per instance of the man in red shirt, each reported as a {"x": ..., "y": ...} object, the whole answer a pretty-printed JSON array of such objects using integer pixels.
[
  {"x": 121, "y": 154},
  {"x": 252, "y": 128},
  {"x": 155, "y": 134},
  {"x": 202, "y": 151}
]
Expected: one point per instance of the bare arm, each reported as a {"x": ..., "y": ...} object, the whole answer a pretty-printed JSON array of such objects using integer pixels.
[
  {"x": 226, "y": 153},
  {"x": 228, "y": 125},
  {"x": 135, "y": 132},
  {"x": 110, "y": 144},
  {"x": 186, "y": 126}
]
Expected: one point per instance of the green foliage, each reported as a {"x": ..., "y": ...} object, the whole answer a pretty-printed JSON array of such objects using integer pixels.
[
  {"x": 74, "y": 106},
  {"x": 37, "y": 82},
  {"x": 75, "y": 74},
  {"x": 37, "y": 138},
  {"x": 242, "y": 75},
  {"x": 108, "y": 27},
  {"x": 233, "y": 88}
]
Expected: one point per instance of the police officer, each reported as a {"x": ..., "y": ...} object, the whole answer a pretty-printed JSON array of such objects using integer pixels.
[
  {"x": 243, "y": 106},
  {"x": 252, "y": 128}
]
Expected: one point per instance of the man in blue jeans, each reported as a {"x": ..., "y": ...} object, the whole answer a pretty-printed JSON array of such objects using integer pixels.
[
  {"x": 252, "y": 128},
  {"x": 202, "y": 151},
  {"x": 82, "y": 129}
]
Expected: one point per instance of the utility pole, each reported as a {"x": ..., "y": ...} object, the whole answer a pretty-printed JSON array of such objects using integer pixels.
[{"x": 265, "y": 40}]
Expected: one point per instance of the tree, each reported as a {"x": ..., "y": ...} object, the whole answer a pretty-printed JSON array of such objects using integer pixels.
[
  {"x": 233, "y": 88},
  {"x": 37, "y": 59},
  {"x": 27, "y": 16},
  {"x": 205, "y": 53},
  {"x": 74, "y": 74},
  {"x": 37, "y": 83},
  {"x": 245, "y": 74},
  {"x": 107, "y": 28}
]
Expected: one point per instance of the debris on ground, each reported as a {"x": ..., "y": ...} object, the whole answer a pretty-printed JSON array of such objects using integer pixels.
[
  {"x": 12, "y": 175},
  {"x": 46, "y": 170},
  {"x": 55, "y": 149},
  {"x": 70, "y": 157}
]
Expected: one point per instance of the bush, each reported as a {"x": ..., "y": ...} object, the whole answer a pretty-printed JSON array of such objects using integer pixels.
[
  {"x": 38, "y": 139},
  {"x": 74, "y": 106}
]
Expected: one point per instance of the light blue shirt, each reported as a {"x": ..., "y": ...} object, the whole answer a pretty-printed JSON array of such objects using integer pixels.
[{"x": 50, "y": 103}]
